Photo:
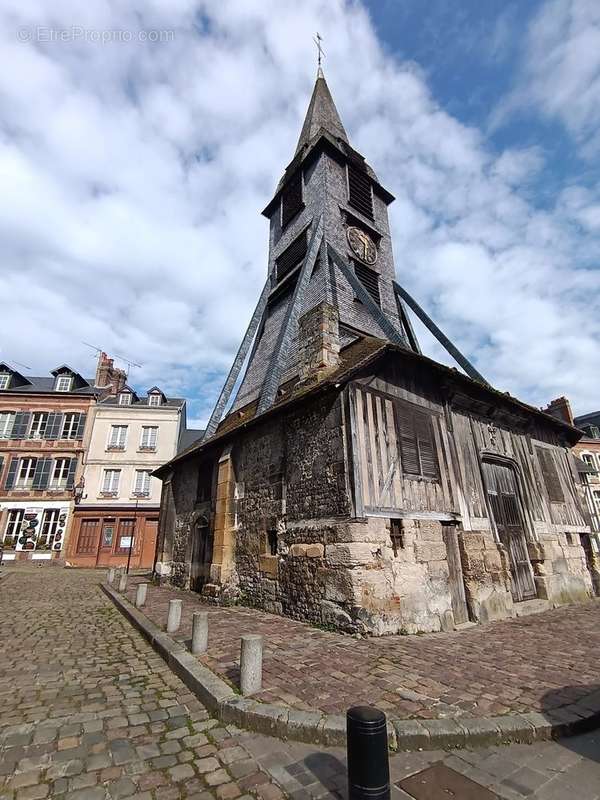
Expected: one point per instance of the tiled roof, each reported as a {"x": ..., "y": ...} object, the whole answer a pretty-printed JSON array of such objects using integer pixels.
[
  {"x": 169, "y": 402},
  {"x": 45, "y": 385}
]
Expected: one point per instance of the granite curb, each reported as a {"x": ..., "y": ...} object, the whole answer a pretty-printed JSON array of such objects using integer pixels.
[{"x": 315, "y": 727}]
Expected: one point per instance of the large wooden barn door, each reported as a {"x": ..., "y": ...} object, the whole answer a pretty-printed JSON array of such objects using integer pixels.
[{"x": 501, "y": 487}]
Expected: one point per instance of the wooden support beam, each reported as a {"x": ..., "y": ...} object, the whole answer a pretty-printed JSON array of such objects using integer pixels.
[
  {"x": 278, "y": 358},
  {"x": 407, "y": 324},
  {"x": 441, "y": 337},
  {"x": 386, "y": 325},
  {"x": 257, "y": 318}
]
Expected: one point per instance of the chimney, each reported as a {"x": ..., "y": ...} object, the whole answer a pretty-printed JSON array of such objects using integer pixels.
[
  {"x": 319, "y": 341},
  {"x": 108, "y": 377},
  {"x": 561, "y": 409}
]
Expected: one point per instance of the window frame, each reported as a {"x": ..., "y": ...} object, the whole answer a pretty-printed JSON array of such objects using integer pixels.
[
  {"x": 118, "y": 445},
  {"x": 112, "y": 491},
  {"x": 70, "y": 421},
  {"x": 13, "y": 523},
  {"x": 59, "y": 483},
  {"x": 39, "y": 419},
  {"x": 4, "y": 380},
  {"x": 154, "y": 400},
  {"x": 26, "y": 481},
  {"x": 6, "y": 429},
  {"x": 150, "y": 447},
  {"x": 124, "y": 399},
  {"x": 142, "y": 492},
  {"x": 58, "y": 386}
]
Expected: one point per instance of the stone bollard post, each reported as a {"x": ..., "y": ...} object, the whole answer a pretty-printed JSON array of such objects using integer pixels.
[
  {"x": 174, "y": 615},
  {"x": 140, "y": 595},
  {"x": 199, "y": 632},
  {"x": 251, "y": 664},
  {"x": 123, "y": 583},
  {"x": 111, "y": 576},
  {"x": 367, "y": 750}
]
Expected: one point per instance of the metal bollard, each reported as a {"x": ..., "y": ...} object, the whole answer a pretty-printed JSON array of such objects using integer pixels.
[
  {"x": 123, "y": 582},
  {"x": 140, "y": 595},
  {"x": 199, "y": 632},
  {"x": 251, "y": 664},
  {"x": 174, "y": 615},
  {"x": 367, "y": 748},
  {"x": 111, "y": 576}
]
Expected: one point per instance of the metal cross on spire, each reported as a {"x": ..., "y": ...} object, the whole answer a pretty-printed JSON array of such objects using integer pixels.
[{"x": 317, "y": 40}]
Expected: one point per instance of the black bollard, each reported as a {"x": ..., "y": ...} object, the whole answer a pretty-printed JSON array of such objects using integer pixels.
[{"x": 368, "y": 764}]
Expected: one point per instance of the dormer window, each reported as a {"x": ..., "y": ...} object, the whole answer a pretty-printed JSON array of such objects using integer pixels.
[
  {"x": 124, "y": 399},
  {"x": 63, "y": 383},
  {"x": 154, "y": 399},
  {"x": 4, "y": 380}
]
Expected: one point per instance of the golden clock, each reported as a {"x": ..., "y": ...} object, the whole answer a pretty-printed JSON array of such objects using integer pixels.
[{"x": 362, "y": 245}]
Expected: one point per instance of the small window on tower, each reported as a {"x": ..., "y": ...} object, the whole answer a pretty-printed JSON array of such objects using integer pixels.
[
  {"x": 291, "y": 199},
  {"x": 369, "y": 279},
  {"x": 360, "y": 191}
]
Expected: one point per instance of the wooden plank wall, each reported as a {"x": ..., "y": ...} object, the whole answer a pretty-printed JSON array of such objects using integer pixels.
[{"x": 461, "y": 438}]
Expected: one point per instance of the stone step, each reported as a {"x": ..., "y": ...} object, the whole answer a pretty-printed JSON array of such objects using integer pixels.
[{"x": 536, "y": 606}]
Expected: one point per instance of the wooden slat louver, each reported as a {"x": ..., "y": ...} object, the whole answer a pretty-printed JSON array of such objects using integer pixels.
[
  {"x": 291, "y": 256},
  {"x": 369, "y": 279},
  {"x": 550, "y": 474},
  {"x": 291, "y": 199},
  {"x": 360, "y": 191},
  {"x": 426, "y": 444},
  {"x": 409, "y": 448}
]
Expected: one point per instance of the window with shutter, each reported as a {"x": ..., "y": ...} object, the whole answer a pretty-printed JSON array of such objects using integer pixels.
[
  {"x": 24, "y": 478},
  {"x": 55, "y": 425},
  {"x": 118, "y": 437},
  {"x": 149, "y": 437},
  {"x": 21, "y": 425},
  {"x": 39, "y": 423},
  {"x": 70, "y": 426},
  {"x": 60, "y": 473},
  {"x": 360, "y": 191},
  {"x": 7, "y": 421},
  {"x": 418, "y": 451},
  {"x": 369, "y": 279},
  {"x": 291, "y": 199},
  {"x": 41, "y": 475},
  {"x": 550, "y": 475},
  {"x": 291, "y": 256},
  {"x": 11, "y": 474},
  {"x": 142, "y": 483}
]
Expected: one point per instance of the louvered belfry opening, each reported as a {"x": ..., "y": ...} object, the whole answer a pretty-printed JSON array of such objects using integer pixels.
[
  {"x": 550, "y": 473},
  {"x": 369, "y": 279},
  {"x": 291, "y": 256},
  {"x": 291, "y": 199},
  {"x": 417, "y": 442},
  {"x": 360, "y": 191}
]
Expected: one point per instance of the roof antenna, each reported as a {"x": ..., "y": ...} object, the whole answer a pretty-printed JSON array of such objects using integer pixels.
[
  {"x": 19, "y": 363},
  {"x": 128, "y": 361},
  {"x": 320, "y": 54}
]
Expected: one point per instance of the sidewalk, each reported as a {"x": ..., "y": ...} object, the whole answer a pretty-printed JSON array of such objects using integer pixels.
[{"x": 539, "y": 663}]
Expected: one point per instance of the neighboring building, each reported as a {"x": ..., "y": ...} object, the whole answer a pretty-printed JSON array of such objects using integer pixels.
[
  {"x": 355, "y": 482},
  {"x": 43, "y": 424},
  {"x": 130, "y": 437}
]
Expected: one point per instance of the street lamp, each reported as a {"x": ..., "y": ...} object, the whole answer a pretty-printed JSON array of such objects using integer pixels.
[{"x": 78, "y": 490}]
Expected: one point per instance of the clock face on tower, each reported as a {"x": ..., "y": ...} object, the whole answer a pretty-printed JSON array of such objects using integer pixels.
[{"x": 362, "y": 245}]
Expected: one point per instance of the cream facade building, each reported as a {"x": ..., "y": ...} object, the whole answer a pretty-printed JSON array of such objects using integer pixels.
[{"x": 117, "y": 517}]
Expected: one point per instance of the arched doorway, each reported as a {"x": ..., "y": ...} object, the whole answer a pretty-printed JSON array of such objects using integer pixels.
[
  {"x": 201, "y": 553},
  {"x": 505, "y": 504}
]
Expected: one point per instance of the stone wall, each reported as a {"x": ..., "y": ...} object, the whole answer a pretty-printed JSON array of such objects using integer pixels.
[
  {"x": 560, "y": 568},
  {"x": 486, "y": 573}
]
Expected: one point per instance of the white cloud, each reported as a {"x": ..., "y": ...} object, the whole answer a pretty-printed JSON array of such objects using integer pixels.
[{"x": 133, "y": 176}]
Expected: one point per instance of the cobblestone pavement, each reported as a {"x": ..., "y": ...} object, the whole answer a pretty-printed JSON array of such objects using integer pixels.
[
  {"x": 534, "y": 663},
  {"x": 88, "y": 711}
]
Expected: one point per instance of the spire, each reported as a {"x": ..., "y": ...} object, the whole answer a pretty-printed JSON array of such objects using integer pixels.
[{"x": 321, "y": 113}]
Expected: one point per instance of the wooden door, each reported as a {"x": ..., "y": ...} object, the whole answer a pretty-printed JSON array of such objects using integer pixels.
[
  {"x": 501, "y": 485},
  {"x": 107, "y": 538},
  {"x": 457, "y": 584},
  {"x": 201, "y": 554}
]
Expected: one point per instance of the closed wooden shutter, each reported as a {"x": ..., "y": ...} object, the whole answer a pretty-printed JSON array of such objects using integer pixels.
[
  {"x": 550, "y": 474},
  {"x": 360, "y": 191},
  {"x": 21, "y": 425},
  {"x": 417, "y": 442},
  {"x": 291, "y": 256},
  {"x": 54, "y": 425},
  {"x": 291, "y": 199},
  {"x": 41, "y": 476}
]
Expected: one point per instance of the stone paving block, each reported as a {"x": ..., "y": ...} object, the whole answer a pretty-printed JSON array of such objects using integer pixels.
[{"x": 444, "y": 732}]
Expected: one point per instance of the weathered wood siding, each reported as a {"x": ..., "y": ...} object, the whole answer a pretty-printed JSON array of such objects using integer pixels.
[{"x": 463, "y": 438}]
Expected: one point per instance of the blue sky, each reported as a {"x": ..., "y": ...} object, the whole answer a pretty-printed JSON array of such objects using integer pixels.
[{"x": 134, "y": 169}]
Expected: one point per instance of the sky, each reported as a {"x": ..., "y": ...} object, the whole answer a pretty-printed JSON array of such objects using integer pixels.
[{"x": 139, "y": 142}]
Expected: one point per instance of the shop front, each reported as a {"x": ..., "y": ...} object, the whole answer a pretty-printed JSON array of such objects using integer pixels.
[
  {"x": 34, "y": 530},
  {"x": 112, "y": 538}
]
